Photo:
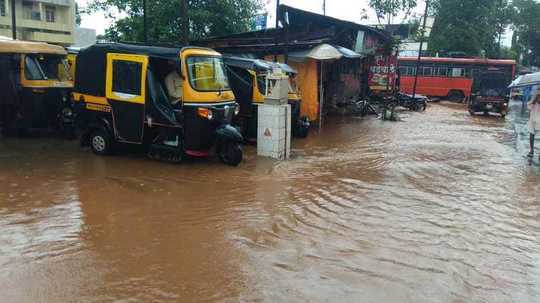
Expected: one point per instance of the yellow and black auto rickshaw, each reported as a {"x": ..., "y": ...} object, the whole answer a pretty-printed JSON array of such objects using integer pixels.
[
  {"x": 172, "y": 101},
  {"x": 248, "y": 80},
  {"x": 35, "y": 87}
]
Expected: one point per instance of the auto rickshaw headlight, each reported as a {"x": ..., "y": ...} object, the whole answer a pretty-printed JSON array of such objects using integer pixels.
[
  {"x": 236, "y": 110},
  {"x": 206, "y": 113}
]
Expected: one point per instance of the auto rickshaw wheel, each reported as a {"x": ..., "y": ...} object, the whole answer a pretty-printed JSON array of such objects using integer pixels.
[
  {"x": 302, "y": 132},
  {"x": 231, "y": 154},
  {"x": 100, "y": 142}
]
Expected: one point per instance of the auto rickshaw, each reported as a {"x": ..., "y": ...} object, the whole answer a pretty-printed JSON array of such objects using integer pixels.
[
  {"x": 490, "y": 93},
  {"x": 175, "y": 102},
  {"x": 248, "y": 79},
  {"x": 35, "y": 87}
]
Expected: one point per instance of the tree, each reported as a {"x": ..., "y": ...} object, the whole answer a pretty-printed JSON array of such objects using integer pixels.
[
  {"x": 470, "y": 26},
  {"x": 388, "y": 9},
  {"x": 526, "y": 38},
  {"x": 206, "y": 18}
]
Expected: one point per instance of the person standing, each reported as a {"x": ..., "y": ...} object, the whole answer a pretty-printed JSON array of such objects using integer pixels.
[{"x": 534, "y": 118}]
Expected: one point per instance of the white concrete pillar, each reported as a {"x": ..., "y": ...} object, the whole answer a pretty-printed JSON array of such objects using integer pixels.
[{"x": 274, "y": 131}]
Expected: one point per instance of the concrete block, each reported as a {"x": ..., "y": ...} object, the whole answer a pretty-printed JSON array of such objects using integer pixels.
[{"x": 273, "y": 131}]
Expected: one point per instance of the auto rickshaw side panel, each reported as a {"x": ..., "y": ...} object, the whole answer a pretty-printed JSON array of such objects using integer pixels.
[{"x": 126, "y": 92}]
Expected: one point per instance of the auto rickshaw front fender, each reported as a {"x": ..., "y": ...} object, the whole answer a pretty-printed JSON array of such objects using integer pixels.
[{"x": 228, "y": 133}]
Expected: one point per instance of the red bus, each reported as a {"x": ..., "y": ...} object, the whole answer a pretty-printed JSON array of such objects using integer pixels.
[{"x": 449, "y": 78}]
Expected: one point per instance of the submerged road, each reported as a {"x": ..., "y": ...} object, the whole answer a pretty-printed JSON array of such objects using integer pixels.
[{"x": 441, "y": 207}]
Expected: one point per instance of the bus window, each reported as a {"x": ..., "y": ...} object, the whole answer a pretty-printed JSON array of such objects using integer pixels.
[
  {"x": 427, "y": 71},
  {"x": 458, "y": 72},
  {"x": 442, "y": 71}
]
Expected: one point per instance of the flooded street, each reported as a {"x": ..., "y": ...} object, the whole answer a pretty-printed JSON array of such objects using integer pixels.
[{"x": 441, "y": 207}]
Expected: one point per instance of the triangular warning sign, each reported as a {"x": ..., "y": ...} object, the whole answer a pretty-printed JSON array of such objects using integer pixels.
[{"x": 267, "y": 133}]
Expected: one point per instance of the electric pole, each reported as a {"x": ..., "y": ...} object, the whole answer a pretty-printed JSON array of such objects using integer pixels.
[
  {"x": 184, "y": 21},
  {"x": 13, "y": 21},
  {"x": 145, "y": 23},
  {"x": 277, "y": 14},
  {"x": 420, "y": 49},
  {"x": 324, "y": 7}
]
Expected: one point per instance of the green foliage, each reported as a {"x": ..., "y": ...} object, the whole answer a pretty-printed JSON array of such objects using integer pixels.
[
  {"x": 526, "y": 39},
  {"x": 470, "y": 26},
  {"x": 508, "y": 53},
  {"x": 206, "y": 18},
  {"x": 385, "y": 8}
]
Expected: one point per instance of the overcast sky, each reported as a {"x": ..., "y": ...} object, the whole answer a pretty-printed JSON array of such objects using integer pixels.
[{"x": 343, "y": 9}]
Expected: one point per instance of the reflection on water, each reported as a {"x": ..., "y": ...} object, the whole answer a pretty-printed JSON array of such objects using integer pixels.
[{"x": 441, "y": 207}]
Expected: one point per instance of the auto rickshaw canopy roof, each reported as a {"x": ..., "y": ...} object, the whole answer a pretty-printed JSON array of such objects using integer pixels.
[
  {"x": 256, "y": 64},
  {"x": 101, "y": 49},
  {"x": 92, "y": 62},
  {"x": 28, "y": 47}
]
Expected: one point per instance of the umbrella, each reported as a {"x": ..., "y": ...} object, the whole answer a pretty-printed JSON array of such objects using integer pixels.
[
  {"x": 526, "y": 80},
  {"x": 320, "y": 52}
]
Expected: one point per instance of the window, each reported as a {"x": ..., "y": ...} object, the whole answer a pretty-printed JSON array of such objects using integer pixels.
[
  {"x": 427, "y": 71},
  {"x": 127, "y": 77},
  {"x": 458, "y": 72},
  {"x": 2, "y": 7},
  {"x": 44, "y": 67},
  {"x": 441, "y": 72},
  {"x": 207, "y": 73},
  {"x": 32, "y": 70},
  {"x": 50, "y": 12},
  {"x": 261, "y": 83},
  {"x": 31, "y": 11}
]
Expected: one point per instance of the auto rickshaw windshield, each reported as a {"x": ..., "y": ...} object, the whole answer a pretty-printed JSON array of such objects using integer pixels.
[
  {"x": 493, "y": 84},
  {"x": 261, "y": 83},
  {"x": 207, "y": 73},
  {"x": 46, "y": 67}
]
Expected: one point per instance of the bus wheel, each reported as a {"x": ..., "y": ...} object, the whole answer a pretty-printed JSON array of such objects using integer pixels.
[
  {"x": 101, "y": 142},
  {"x": 455, "y": 96},
  {"x": 231, "y": 154}
]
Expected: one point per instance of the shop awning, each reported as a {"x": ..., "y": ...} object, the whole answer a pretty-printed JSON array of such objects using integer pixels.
[
  {"x": 325, "y": 52},
  {"x": 348, "y": 53}
]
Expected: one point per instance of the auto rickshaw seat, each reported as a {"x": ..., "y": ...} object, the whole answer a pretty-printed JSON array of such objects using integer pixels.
[{"x": 161, "y": 108}]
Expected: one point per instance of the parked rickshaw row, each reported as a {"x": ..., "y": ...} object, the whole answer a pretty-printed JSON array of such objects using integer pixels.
[{"x": 175, "y": 102}]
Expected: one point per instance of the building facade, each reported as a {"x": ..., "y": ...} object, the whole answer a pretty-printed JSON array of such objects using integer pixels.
[{"x": 51, "y": 21}]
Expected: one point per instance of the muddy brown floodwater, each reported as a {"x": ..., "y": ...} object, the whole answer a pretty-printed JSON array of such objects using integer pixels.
[{"x": 441, "y": 207}]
